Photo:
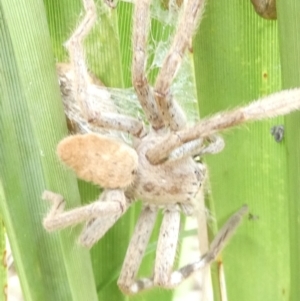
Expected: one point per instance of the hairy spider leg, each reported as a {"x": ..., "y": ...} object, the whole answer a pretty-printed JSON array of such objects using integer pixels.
[
  {"x": 163, "y": 275},
  {"x": 277, "y": 104},
  {"x": 141, "y": 24},
  {"x": 82, "y": 86},
  {"x": 111, "y": 202},
  {"x": 172, "y": 113},
  {"x": 136, "y": 250}
]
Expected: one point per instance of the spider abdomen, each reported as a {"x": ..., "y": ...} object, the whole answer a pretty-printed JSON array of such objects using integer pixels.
[{"x": 100, "y": 160}]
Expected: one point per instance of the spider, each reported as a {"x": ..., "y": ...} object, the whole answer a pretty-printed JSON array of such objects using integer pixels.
[{"x": 159, "y": 167}]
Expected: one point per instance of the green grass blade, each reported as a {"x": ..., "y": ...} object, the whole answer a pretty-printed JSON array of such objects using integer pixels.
[
  {"x": 31, "y": 118},
  {"x": 238, "y": 61},
  {"x": 103, "y": 57},
  {"x": 289, "y": 41}
]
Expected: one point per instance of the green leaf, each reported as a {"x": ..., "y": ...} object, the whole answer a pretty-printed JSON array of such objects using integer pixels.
[
  {"x": 238, "y": 61},
  {"x": 32, "y": 121},
  {"x": 289, "y": 42}
]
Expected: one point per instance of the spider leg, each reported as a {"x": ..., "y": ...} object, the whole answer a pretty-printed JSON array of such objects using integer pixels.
[
  {"x": 216, "y": 145},
  {"x": 277, "y": 104},
  {"x": 166, "y": 247},
  {"x": 95, "y": 228},
  {"x": 111, "y": 202},
  {"x": 170, "y": 110},
  {"x": 127, "y": 282},
  {"x": 212, "y": 145},
  {"x": 165, "y": 254},
  {"x": 215, "y": 249},
  {"x": 139, "y": 80},
  {"x": 84, "y": 90}
]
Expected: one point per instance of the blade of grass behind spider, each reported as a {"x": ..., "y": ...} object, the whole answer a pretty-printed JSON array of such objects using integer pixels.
[
  {"x": 237, "y": 60},
  {"x": 103, "y": 59},
  {"x": 50, "y": 266},
  {"x": 289, "y": 41}
]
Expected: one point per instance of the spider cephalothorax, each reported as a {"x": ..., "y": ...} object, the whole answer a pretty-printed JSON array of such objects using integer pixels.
[
  {"x": 166, "y": 183},
  {"x": 159, "y": 167}
]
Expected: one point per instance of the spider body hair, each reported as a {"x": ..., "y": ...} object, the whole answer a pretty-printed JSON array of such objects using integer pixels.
[
  {"x": 103, "y": 161},
  {"x": 166, "y": 183}
]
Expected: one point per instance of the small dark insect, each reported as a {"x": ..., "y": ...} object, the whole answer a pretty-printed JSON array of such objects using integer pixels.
[{"x": 278, "y": 132}]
